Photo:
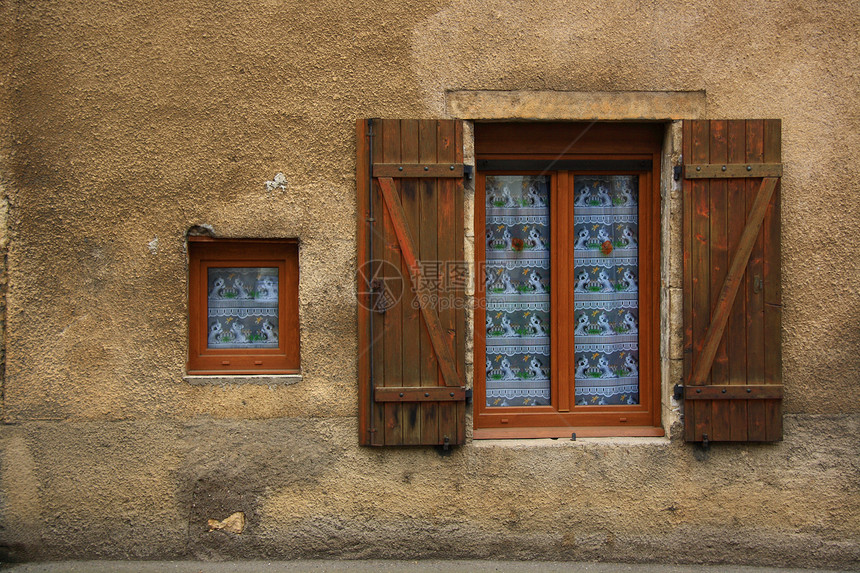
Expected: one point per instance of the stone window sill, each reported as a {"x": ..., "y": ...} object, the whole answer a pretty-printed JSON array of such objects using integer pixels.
[
  {"x": 566, "y": 431},
  {"x": 613, "y": 442},
  {"x": 262, "y": 380}
]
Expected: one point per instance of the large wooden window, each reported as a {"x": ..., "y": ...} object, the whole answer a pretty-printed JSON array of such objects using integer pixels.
[
  {"x": 567, "y": 296},
  {"x": 243, "y": 303}
]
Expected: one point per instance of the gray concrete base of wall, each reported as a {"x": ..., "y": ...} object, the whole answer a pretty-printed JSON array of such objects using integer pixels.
[{"x": 145, "y": 490}]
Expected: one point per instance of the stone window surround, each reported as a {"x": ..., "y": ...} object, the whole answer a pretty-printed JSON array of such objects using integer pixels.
[{"x": 664, "y": 107}]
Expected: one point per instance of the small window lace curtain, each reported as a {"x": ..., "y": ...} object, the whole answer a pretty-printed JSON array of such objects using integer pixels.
[
  {"x": 606, "y": 290},
  {"x": 518, "y": 284},
  {"x": 242, "y": 307}
]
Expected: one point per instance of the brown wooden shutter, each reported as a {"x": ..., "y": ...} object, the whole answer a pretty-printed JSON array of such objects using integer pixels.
[
  {"x": 732, "y": 290},
  {"x": 411, "y": 282}
]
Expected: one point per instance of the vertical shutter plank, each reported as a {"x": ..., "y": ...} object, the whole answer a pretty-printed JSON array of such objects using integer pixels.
[
  {"x": 772, "y": 285},
  {"x": 378, "y": 256},
  {"x": 411, "y": 313},
  {"x": 701, "y": 264},
  {"x": 718, "y": 153},
  {"x": 363, "y": 227},
  {"x": 755, "y": 300},
  {"x": 393, "y": 356},
  {"x": 446, "y": 250},
  {"x": 736, "y": 328},
  {"x": 427, "y": 247},
  {"x": 687, "y": 151}
]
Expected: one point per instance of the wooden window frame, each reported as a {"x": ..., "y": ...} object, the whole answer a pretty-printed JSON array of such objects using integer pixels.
[
  {"x": 206, "y": 252},
  {"x": 613, "y": 141}
]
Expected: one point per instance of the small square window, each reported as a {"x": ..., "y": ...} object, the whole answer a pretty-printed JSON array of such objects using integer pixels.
[{"x": 243, "y": 306}]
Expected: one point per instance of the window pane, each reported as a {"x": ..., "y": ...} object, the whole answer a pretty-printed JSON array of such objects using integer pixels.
[
  {"x": 606, "y": 289},
  {"x": 517, "y": 267},
  {"x": 242, "y": 307}
]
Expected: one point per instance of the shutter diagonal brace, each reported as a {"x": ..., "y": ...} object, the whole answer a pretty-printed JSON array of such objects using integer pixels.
[
  {"x": 408, "y": 250},
  {"x": 732, "y": 282}
]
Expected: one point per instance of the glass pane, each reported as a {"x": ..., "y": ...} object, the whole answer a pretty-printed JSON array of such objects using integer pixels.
[
  {"x": 606, "y": 297},
  {"x": 242, "y": 307},
  {"x": 517, "y": 302}
]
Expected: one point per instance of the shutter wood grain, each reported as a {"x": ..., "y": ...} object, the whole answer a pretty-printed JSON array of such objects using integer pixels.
[
  {"x": 417, "y": 231},
  {"x": 732, "y": 292},
  {"x": 393, "y": 331},
  {"x": 411, "y": 313}
]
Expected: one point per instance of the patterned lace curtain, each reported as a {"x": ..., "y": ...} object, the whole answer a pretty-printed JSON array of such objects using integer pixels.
[
  {"x": 605, "y": 293},
  {"x": 243, "y": 307},
  {"x": 518, "y": 300}
]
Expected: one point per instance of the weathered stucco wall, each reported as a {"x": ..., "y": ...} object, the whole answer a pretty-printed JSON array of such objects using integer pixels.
[{"x": 125, "y": 122}]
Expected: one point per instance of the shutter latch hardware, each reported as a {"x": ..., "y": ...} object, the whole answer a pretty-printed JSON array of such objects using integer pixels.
[
  {"x": 383, "y": 298},
  {"x": 678, "y": 170},
  {"x": 678, "y": 392}
]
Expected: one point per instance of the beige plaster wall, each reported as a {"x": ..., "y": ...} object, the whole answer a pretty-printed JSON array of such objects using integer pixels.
[{"x": 123, "y": 123}]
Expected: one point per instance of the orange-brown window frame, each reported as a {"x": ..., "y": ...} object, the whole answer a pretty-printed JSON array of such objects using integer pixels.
[
  {"x": 205, "y": 252},
  {"x": 593, "y": 142}
]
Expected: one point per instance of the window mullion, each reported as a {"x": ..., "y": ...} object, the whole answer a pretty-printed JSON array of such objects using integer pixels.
[{"x": 561, "y": 304}]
